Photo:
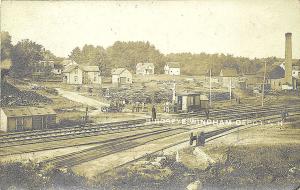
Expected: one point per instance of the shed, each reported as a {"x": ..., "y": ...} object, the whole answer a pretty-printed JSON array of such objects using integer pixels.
[{"x": 27, "y": 118}]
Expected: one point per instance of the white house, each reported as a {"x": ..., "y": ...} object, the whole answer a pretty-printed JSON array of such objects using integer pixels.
[
  {"x": 229, "y": 76},
  {"x": 76, "y": 74},
  {"x": 121, "y": 76},
  {"x": 57, "y": 69},
  {"x": 172, "y": 68},
  {"x": 145, "y": 69}
]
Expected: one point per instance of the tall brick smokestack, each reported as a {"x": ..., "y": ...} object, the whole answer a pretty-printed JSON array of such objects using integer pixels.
[{"x": 288, "y": 58}]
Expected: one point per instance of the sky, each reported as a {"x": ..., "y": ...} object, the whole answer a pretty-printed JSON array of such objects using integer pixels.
[{"x": 246, "y": 28}]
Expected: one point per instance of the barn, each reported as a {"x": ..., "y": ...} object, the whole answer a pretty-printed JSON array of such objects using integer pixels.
[{"x": 26, "y": 118}]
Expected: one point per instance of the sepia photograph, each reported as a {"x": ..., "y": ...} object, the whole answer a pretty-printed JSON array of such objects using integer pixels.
[{"x": 150, "y": 95}]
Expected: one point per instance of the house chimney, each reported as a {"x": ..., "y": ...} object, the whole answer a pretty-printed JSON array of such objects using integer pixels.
[{"x": 288, "y": 58}]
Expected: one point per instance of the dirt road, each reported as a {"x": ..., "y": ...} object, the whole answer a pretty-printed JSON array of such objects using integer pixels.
[{"x": 76, "y": 97}]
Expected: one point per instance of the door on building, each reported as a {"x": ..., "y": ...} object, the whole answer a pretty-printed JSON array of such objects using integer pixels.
[
  {"x": 37, "y": 122},
  {"x": 19, "y": 124},
  {"x": 123, "y": 80}
]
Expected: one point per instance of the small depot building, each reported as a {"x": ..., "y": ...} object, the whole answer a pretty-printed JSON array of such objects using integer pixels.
[{"x": 26, "y": 118}]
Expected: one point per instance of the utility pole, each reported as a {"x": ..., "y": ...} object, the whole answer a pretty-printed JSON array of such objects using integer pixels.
[
  {"x": 263, "y": 87},
  {"x": 230, "y": 89},
  {"x": 174, "y": 91},
  {"x": 209, "y": 87},
  {"x": 86, "y": 114}
]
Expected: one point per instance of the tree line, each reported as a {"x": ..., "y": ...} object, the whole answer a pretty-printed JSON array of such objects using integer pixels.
[{"x": 126, "y": 54}]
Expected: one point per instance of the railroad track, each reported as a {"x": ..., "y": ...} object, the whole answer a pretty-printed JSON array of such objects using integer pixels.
[
  {"x": 110, "y": 147},
  {"x": 118, "y": 145},
  {"x": 15, "y": 139},
  {"x": 66, "y": 133},
  {"x": 236, "y": 109}
]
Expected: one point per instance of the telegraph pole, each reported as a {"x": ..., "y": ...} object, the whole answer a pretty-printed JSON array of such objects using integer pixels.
[
  {"x": 174, "y": 91},
  {"x": 230, "y": 89},
  {"x": 263, "y": 87},
  {"x": 209, "y": 87}
]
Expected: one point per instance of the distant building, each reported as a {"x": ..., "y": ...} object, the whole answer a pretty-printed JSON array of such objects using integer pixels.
[
  {"x": 91, "y": 75},
  {"x": 296, "y": 70},
  {"x": 172, "y": 68},
  {"x": 57, "y": 69},
  {"x": 68, "y": 62},
  {"x": 73, "y": 74},
  {"x": 145, "y": 69},
  {"x": 227, "y": 76},
  {"x": 42, "y": 67},
  {"x": 121, "y": 76},
  {"x": 77, "y": 74},
  {"x": 26, "y": 118},
  {"x": 276, "y": 76}
]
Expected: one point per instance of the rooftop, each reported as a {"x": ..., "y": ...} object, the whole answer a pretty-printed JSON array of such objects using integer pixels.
[
  {"x": 23, "y": 111},
  {"x": 229, "y": 72},
  {"x": 173, "y": 64},
  {"x": 118, "y": 71},
  {"x": 145, "y": 65}
]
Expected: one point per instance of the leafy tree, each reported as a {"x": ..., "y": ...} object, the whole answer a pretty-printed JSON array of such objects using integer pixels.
[
  {"x": 128, "y": 54},
  {"x": 6, "y": 45},
  {"x": 23, "y": 55},
  {"x": 76, "y": 55},
  {"x": 91, "y": 55}
]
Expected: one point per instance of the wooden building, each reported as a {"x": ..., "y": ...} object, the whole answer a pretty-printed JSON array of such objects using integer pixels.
[
  {"x": 26, "y": 118},
  {"x": 121, "y": 76},
  {"x": 172, "y": 68},
  {"x": 77, "y": 74},
  {"x": 191, "y": 101},
  {"x": 229, "y": 76},
  {"x": 145, "y": 69}
]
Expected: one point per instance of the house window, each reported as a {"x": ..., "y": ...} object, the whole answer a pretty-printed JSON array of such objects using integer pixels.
[
  {"x": 76, "y": 78},
  {"x": 279, "y": 83},
  {"x": 95, "y": 78}
]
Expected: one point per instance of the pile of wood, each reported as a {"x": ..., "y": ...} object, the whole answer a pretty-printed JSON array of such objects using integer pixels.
[{"x": 12, "y": 96}]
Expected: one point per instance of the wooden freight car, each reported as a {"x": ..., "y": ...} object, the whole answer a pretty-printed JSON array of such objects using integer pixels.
[{"x": 191, "y": 102}]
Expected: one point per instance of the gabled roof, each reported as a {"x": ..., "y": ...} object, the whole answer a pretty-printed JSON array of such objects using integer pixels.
[
  {"x": 17, "y": 111},
  {"x": 68, "y": 62},
  {"x": 276, "y": 72},
  {"x": 229, "y": 72},
  {"x": 41, "y": 110},
  {"x": 118, "y": 71},
  {"x": 187, "y": 93},
  {"x": 90, "y": 68},
  {"x": 27, "y": 111},
  {"x": 173, "y": 64},
  {"x": 70, "y": 68},
  {"x": 145, "y": 65},
  {"x": 83, "y": 68}
]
